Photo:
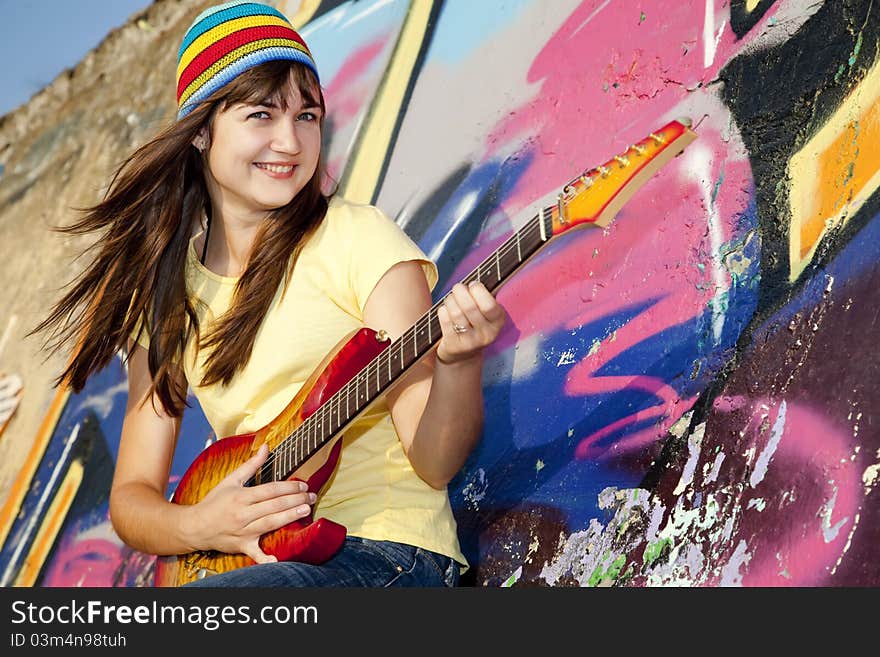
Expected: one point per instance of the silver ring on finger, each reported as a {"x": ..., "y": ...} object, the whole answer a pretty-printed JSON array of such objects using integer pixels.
[{"x": 458, "y": 328}]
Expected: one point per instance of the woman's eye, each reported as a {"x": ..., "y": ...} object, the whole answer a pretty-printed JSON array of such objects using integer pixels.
[
  {"x": 259, "y": 115},
  {"x": 308, "y": 116}
]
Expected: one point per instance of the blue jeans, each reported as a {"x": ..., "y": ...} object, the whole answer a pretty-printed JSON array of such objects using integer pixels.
[{"x": 360, "y": 562}]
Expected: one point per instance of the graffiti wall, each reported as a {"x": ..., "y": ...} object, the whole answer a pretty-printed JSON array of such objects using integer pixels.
[{"x": 686, "y": 397}]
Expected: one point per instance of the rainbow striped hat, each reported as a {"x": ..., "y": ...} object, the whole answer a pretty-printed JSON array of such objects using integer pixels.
[{"x": 225, "y": 41}]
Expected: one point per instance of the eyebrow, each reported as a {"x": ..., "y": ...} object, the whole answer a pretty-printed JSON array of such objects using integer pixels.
[{"x": 270, "y": 103}]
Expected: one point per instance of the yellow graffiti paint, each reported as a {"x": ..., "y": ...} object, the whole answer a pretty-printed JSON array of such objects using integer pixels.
[
  {"x": 751, "y": 4},
  {"x": 361, "y": 176},
  {"x": 52, "y": 523},
  {"x": 22, "y": 483},
  {"x": 836, "y": 171}
]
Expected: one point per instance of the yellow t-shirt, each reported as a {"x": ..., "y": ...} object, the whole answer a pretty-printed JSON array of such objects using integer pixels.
[{"x": 374, "y": 492}]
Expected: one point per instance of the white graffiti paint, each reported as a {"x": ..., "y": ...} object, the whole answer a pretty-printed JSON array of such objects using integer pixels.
[
  {"x": 763, "y": 461},
  {"x": 698, "y": 165},
  {"x": 10, "y": 325},
  {"x": 829, "y": 532},
  {"x": 695, "y": 441},
  {"x": 516, "y": 363},
  {"x": 716, "y": 468},
  {"x": 103, "y": 403},
  {"x": 591, "y": 553},
  {"x": 710, "y": 36},
  {"x": 476, "y": 488},
  {"x": 757, "y": 503},
  {"x": 869, "y": 477},
  {"x": 566, "y": 358},
  {"x": 731, "y": 574},
  {"x": 10, "y": 394},
  {"x": 848, "y": 543},
  {"x": 779, "y": 26}
]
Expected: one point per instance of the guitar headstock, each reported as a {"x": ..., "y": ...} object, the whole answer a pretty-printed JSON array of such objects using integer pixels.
[{"x": 596, "y": 196}]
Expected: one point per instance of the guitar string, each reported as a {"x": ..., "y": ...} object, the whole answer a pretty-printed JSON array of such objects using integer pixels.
[
  {"x": 363, "y": 377},
  {"x": 296, "y": 437},
  {"x": 302, "y": 433},
  {"x": 325, "y": 411}
]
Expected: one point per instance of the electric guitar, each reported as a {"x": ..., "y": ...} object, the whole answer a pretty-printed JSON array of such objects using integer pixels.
[{"x": 305, "y": 439}]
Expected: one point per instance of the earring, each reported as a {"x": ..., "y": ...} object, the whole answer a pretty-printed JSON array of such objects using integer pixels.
[{"x": 200, "y": 145}]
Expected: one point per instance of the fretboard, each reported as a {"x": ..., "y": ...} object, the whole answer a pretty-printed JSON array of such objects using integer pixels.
[{"x": 379, "y": 374}]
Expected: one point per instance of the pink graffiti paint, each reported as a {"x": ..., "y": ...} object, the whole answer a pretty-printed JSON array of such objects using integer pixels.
[
  {"x": 348, "y": 95},
  {"x": 606, "y": 80},
  {"x": 84, "y": 562},
  {"x": 798, "y": 536}
]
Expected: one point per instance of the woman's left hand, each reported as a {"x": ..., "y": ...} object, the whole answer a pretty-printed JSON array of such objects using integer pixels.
[{"x": 470, "y": 319}]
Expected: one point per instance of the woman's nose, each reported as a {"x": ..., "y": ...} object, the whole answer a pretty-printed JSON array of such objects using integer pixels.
[{"x": 285, "y": 138}]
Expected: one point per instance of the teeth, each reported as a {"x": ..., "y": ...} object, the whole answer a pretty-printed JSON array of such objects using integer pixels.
[{"x": 274, "y": 168}]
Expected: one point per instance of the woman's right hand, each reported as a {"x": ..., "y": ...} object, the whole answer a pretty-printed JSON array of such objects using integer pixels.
[{"x": 232, "y": 517}]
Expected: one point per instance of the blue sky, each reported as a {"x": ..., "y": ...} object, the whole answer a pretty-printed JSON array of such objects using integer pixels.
[{"x": 41, "y": 38}]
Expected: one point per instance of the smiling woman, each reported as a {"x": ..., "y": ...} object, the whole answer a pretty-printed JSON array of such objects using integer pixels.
[
  {"x": 260, "y": 152},
  {"x": 258, "y": 325}
]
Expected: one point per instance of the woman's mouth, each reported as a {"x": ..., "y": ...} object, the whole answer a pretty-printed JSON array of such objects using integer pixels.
[{"x": 276, "y": 170}]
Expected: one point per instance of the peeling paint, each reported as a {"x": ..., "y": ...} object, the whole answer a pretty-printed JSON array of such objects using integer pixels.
[
  {"x": 763, "y": 461},
  {"x": 869, "y": 477},
  {"x": 476, "y": 488},
  {"x": 514, "y": 577},
  {"x": 756, "y": 503},
  {"x": 566, "y": 358},
  {"x": 716, "y": 468},
  {"x": 680, "y": 426},
  {"x": 695, "y": 440},
  {"x": 829, "y": 532},
  {"x": 730, "y": 573}
]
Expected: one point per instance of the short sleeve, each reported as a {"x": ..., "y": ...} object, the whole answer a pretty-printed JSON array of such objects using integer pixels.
[
  {"x": 140, "y": 335},
  {"x": 377, "y": 243}
]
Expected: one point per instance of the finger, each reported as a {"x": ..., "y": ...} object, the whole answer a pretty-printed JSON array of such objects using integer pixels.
[
  {"x": 445, "y": 321},
  {"x": 469, "y": 307},
  {"x": 275, "y": 489},
  {"x": 282, "y": 504},
  {"x": 255, "y": 552},
  {"x": 455, "y": 311},
  {"x": 249, "y": 468},
  {"x": 273, "y": 521},
  {"x": 487, "y": 303}
]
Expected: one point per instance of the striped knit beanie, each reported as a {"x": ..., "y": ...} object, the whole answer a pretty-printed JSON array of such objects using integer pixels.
[{"x": 228, "y": 39}]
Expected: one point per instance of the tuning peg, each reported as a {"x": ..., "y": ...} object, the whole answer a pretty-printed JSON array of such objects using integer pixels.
[
  {"x": 622, "y": 160},
  {"x": 640, "y": 150}
]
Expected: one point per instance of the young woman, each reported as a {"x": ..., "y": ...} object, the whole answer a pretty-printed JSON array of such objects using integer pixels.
[{"x": 222, "y": 267}]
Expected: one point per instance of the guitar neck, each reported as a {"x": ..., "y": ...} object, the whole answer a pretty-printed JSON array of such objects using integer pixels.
[
  {"x": 592, "y": 199},
  {"x": 352, "y": 399}
]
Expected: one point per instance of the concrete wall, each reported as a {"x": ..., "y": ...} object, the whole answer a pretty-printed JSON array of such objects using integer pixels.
[{"x": 685, "y": 398}]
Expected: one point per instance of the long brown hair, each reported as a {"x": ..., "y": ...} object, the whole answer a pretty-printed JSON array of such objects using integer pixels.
[{"x": 137, "y": 277}]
